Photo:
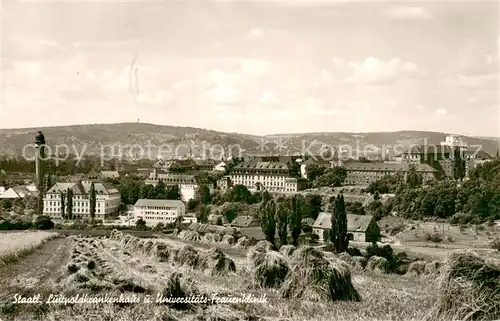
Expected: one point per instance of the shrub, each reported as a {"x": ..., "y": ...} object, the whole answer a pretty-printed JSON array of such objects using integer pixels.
[{"x": 434, "y": 237}]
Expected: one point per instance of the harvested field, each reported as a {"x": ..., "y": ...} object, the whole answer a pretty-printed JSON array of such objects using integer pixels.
[{"x": 122, "y": 265}]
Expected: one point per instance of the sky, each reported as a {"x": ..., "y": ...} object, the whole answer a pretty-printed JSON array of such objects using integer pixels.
[{"x": 262, "y": 67}]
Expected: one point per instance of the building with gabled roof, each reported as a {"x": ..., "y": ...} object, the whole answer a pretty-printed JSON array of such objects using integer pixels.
[
  {"x": 360, "y": 228},
  {"x": 108, "y": 199},
  {"x": 273, "y": 176},
  {"x": 16, "y": 192},
  {"x": 244, "y": 221},
  {"x": 366, "y": 173}
]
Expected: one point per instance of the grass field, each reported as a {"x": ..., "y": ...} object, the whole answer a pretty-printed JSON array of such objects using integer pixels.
[
  {"x": 125, "y": 265},
  {"x": 15, "y": 245}
]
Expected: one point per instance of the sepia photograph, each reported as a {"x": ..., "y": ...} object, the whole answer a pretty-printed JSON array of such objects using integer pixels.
[{"x": 249, "y": 160}]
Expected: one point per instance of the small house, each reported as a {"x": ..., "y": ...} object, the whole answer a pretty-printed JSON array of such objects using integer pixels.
[
  {"x": 360, "y": 228},
  {"x": 244, "y": 221}
]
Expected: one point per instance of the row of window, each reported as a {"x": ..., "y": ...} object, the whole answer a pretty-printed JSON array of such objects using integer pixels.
[{"x": 75, "y": 210}]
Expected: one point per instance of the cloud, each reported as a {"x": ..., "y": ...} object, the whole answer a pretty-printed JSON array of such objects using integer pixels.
[
  {"x": 406, "y": 13},
  {"x": 472, "y": 82},
  {"x": 376, "y": 72},
  {"x": 158, "y": 98},
  {"x": 268, "y": 98},
  {"x": 255, "y": 33},
  {"x": 225, "y": 94},
  {"x": 253, "y": 67},
  {"x": 440, "y": 112},
  {"x": 325, "y": 78},
  {"x": 471, "y": 59}
]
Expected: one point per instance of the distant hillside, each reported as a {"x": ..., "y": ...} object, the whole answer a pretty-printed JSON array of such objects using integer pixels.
[{"x": 109, "y": 138}]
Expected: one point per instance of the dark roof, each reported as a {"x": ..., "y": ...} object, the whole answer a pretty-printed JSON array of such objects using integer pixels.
[
  {"x": 481, "y": 154},
  {"x": 355, "y": 223},
  {"x": 151, "y": 202},
  {"x": 262, "y": 165},
  {"x": 83, "y": 188},
  {"x": 242, "y": 221},
  {"x": 403, "y": 167}
]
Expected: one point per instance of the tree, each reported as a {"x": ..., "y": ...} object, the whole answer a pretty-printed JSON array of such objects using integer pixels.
[
  {"x": 173, "y": 192},
  {"x": 240, "y": 193},
  {"x": 202, "y": 213},
  {"x": 282, "y": 221},
  {"x": 458, "y": 165},
  {"x": 413, "y": 179},
  {"x": 338, "y": 233},
  {"x": 69, "y": 203},
  {"x": 268, "y": 221},
  {"x": 219, "y": 221},
  {"x": 314, "y": 171},
  {"x": 230, "y": 214},
  {"x": 297, "y": 208},
  {"x": 313, "y": 204},
  {"x": 376, "y": 196},
  {"x": 140, "y": 224},
  {"x": 62, "y": 195},
  {"x": 355, "y": 208},
  {"x": 332, "y": 177},
  {"x": 204, "y": 194},
  {"x": 145, "y": 191},
  {"x": 159, "y": 227},
  {"x": 160, "y": 191},
  {"x": 43, "y": 222},
  {"x": 192, "y": 204},
  {"x": 92, "y": 201}
]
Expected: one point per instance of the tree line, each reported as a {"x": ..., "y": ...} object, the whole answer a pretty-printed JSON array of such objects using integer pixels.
[{"x": 474, "y": 200}]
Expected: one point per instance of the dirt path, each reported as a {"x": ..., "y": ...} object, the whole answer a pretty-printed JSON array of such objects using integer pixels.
[{"x": 39, "y": 272}]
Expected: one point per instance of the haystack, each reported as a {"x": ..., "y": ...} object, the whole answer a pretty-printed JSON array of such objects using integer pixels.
[
  {"x": 432, "y": 268},
  {"x": 265, "y": 245},
  {"x": 469, "y": 288},
  {"x": 377, "y": 264},
  {"x": 147, "y": 246},
  {"x": 287, "y": 250},
  {"x": 351, "y": 261},
  {"x": 217, "y": 263},
  {"x": 187, "y": 255},
  {"x": 242, "y": 243},
  {"x": 179, "y": 287},
  {"x": 227, "y": 240},
  {"x": 317, "y": 278},
  {"x": 416, "y": 268},
  {"x": 268, "y": 268}
]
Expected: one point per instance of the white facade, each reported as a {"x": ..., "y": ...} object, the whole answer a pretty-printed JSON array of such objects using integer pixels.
[
  {"x": 454, "y": 141},
  {"x": 108, "y": 200},
  {"x": 158, "y": 211},
  {"x": 2, "y": 190},
  {"x": 188, "y": 191}
]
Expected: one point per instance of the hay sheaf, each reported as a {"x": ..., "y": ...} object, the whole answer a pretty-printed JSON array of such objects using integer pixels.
[
  {"x": 190, "y": 236},
  {"x": 469, "y": 288},
  {"x": 377, "y": 264},
  {"x": 267, "y": 268},
  {"x": 317, "y": 278},
  {"x": 179, "y": 287},
  {"x": 188, "y": 256},
  {"x": 353, "y": 261},
  {"x": 432, "y": 268},
  {"x": 416, "y": 268},
  {"x": 228, "y": 240},
  {"x": 217, "y": 263},
  {"x": 265, "y": 245},
  {"x": 242, "y": 243},
  {"x": 287, "y": 250}
]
